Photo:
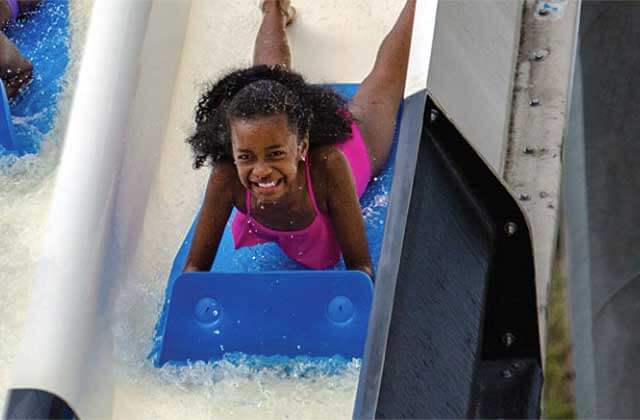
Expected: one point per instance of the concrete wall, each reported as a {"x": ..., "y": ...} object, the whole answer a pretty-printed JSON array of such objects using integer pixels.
[{"x": 533, "y": 160}]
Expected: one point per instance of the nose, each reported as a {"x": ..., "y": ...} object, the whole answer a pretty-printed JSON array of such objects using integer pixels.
[{"x": 261, "y": 170}]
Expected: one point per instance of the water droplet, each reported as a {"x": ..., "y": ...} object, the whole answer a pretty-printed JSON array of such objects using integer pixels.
[
  {"x": 221, "y": 347},
  {"x": 298, "y": 346},
  {"x": 291, "y": 222},
  {"x": 216, "y": 332},
  {"x": 380, "y": 200},
  {"x": 238, "y": 321},
  {"x": 253, "y": 257},
  {"x": 215, "y": 312},
  {"x": 375, "y": 179}
]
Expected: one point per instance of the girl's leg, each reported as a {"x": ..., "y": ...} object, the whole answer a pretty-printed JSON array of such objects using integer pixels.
[
  {"x": 271, "y": 45},
  {"x": 375, "y": 106}
]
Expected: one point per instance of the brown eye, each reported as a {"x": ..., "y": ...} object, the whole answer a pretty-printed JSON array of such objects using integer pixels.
[
  {"x": 277, "y": 153},
  {"x": 244, "y": 156}
]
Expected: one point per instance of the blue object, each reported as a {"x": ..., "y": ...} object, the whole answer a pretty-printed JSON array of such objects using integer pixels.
[
  {"x": 7, "y": 135},
  {"x": 266, "y": 258},
  {"x": 288, "y": 313},
  {"x": 43, "y": 37}
]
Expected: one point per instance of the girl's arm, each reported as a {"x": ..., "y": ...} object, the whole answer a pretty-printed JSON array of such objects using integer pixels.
[
  {"x": 346, "y": 215},
  {"x": 15, "y": 69},
  {"x": 218, "y": 203}
]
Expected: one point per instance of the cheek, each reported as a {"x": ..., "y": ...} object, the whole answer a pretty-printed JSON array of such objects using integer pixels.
[
  {"x": 243, "y": 173},
  {"x": 290, "y": 169}
]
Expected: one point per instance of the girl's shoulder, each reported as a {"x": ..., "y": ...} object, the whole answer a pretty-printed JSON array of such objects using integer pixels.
[{"x": 322, "y": 157}]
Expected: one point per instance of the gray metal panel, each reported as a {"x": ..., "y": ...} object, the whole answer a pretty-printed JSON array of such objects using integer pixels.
[
  {"x": 610, "y": 94},
  {"x": 533, "y": 161},
  {"x": 472, "y": 69}
]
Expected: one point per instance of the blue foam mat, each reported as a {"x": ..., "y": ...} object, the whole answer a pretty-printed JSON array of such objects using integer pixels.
[
  {"x": 43, "y": 37},
  {"x": 268, "y": 257},
  {"x": 289, "y": 313}
]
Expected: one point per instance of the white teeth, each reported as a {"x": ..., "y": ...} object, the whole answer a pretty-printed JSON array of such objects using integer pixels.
[{"x": 267, "y": 184}]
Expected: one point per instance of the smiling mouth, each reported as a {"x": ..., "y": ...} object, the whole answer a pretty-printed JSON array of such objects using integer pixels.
[{"x": 266, "y": 187}]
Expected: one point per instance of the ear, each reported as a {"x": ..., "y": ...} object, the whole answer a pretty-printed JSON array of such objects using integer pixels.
[{"x": 303, "y": 149}]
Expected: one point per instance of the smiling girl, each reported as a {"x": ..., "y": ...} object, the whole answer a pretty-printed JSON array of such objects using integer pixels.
[{"x": 291, "y": 157}]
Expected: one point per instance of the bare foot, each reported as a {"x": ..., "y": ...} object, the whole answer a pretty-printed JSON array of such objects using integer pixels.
[{"x": 288, "y": 11}]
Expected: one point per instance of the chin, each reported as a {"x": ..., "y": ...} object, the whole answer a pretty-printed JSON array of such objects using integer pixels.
[{"x": 268, "y": 198}]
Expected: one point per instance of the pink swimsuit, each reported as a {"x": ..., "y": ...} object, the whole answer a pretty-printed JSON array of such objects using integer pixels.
[{"x": 314, "y": 246}]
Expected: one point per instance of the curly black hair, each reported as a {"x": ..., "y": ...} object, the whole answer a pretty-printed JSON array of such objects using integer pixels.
[{"x": 314, "y": 111}]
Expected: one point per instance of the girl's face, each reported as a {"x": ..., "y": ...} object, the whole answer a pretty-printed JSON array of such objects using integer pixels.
[{"x": 266, "y": 153}]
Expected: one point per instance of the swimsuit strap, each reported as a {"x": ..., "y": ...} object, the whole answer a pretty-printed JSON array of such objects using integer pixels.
[
  {"x": 14, "y": 7},
  {"x": 247, "y": 203},
  {"x": 312, "y": 196}
]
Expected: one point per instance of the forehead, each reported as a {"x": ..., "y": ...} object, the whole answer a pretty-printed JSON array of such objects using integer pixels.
[{"x": 261, "y": 131}]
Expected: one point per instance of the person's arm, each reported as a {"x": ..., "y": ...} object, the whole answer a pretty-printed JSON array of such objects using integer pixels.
[
  {"x": 15, "y": 69},
  {"x": 217, "y": 206},
  {"x": 345, "y": 213}
]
